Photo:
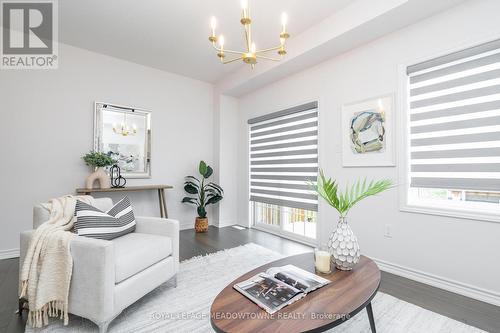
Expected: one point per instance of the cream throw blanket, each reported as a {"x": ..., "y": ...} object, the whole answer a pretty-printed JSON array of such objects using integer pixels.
[{"x": 47, "y": 268}]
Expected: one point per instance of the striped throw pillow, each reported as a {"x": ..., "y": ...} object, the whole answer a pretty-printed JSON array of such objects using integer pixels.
[{"x": 94, "y": 223}]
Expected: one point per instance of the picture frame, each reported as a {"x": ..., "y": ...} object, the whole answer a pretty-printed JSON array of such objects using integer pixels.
[{"x": 368, "y": 132}]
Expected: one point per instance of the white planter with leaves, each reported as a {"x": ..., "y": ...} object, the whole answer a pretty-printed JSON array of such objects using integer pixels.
[{"x": 343, "y": 244}]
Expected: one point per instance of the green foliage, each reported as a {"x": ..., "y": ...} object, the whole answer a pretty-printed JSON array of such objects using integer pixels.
[
  {"x": 328, "y": 189},
  {"x": 204, "y": 193},
  {"x": 98, "y": 159}
]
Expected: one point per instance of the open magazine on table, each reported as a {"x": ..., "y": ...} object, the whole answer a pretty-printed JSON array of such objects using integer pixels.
[{"x": 278, "y": 287}]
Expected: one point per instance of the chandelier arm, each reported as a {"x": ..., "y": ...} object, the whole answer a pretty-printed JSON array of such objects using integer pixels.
[
  {"x": 268, "y": 58},
  {"x": 249, "y": 47},
  {"x": 227, "y": 51},
  {"x": 233, "y": 52},
  {"x": 269, "y": 49},
  {"x": 247, "y": 37},
  {"x": 231, "y": 60}
]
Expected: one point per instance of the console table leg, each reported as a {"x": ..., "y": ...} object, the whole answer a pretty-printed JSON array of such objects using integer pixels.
[
  {"x": 369, "y": 310},
  {"x": 164, "y": 201},
  {"x": 160, "y": 201}
]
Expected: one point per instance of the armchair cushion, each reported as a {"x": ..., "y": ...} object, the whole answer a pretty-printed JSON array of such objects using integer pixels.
[
  {"x": 163, "y": 227},
  {"x": 135, "y": 252}
]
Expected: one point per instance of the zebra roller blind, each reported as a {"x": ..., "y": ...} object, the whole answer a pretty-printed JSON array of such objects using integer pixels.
[
  {"x": 455, "y": 120},
  {"x": 284, "y": 157}
]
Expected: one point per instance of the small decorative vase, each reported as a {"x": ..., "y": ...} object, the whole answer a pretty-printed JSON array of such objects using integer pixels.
[
  {"x": 344, "y": 247},
  {"x": 101, "y": 176},
  {"x": 201, "y": 224}
]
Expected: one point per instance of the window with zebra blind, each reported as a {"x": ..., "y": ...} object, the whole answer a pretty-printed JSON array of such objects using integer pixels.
[
  {"x": 454, "y": 131},
  {"x": 283, "y": 148}
]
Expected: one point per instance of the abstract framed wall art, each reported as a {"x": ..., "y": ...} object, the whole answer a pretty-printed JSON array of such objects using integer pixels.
[{"x": 368, "y": 133}]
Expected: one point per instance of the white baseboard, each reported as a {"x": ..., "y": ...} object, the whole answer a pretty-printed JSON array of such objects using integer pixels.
[
  {"x": 8, "y": 254},
  {"x": 184, "y": 226},
  {"x": 225, "y": 223},
  {"x": 460, "y": 288}
]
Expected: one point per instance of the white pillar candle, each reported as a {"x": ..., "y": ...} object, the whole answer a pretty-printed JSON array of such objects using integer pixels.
[{"x": 322, "y": 261}]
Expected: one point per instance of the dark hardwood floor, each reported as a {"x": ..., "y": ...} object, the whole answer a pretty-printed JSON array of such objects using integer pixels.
[
  {"x": 469, "y": 311},
  {"x": 216, "y": 239}
]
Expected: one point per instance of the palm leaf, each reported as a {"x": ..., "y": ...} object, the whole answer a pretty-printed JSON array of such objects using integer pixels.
[{"x": 344, "y": 201}]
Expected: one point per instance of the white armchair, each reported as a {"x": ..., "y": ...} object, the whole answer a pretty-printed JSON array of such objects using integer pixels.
[{"x": 108, "y": 276}]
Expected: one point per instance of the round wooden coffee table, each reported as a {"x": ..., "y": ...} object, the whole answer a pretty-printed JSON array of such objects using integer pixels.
[{"x": 349, "y": 293}]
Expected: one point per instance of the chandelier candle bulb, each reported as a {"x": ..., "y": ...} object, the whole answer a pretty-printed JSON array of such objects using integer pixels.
[
  {"x": 284, "y": 21},
  {"x": 221, "y": 54},
  {"x": 213, "y": 24},
  {"x": 244, "y": 7}
]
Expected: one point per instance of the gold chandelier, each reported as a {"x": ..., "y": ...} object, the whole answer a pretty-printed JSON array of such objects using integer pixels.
[{"x": 251, "y": 54}]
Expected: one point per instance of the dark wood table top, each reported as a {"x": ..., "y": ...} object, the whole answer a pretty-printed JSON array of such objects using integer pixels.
[
  {"x": 322, "y": 309},
  {"x": 124, "y": 189}
]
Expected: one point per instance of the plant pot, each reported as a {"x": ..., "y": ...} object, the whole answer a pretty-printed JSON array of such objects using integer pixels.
[
  {"x": 344, "y": 247},
  {"x": 201, "y": 224},
  {"x": 100, "y": 176}
]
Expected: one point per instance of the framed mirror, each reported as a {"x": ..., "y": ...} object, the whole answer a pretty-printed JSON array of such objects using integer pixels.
[{"x": 125, "y": 133}]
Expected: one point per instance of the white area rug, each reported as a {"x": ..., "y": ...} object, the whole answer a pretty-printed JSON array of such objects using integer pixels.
[{"x": 186, "y": 308}]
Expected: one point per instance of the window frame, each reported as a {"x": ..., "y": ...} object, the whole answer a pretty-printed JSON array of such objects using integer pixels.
[{"x": 451, "y": 209}]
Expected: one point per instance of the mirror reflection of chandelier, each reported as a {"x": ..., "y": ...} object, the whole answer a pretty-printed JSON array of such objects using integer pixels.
[{"x": 124, "y": 128}]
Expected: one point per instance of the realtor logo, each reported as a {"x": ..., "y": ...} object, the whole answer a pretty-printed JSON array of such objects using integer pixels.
[{"x": 29, "y": 35}]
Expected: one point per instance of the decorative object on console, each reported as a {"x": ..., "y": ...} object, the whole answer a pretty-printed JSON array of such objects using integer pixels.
[
  {"x": 206, "y": 194},
  {"x": 343, "y": 244},
  {"x": 125, "y": 134},
  {"x": 368, "y": 133},
  {"x": 94, "y": 223},
  {"x": 251, "y": 54},
  {"x": 117, "y": 181},
  {"x": 98, "y": 161}
]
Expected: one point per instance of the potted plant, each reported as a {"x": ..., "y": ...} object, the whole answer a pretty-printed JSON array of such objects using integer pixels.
[
  {"x": 206, "y": 193},
  {"x": 98, "y": 161},
  {"x": 343, "y": 244}
]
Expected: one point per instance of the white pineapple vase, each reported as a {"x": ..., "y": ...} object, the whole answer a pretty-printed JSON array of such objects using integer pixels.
[{"x": 343, "y": 246}]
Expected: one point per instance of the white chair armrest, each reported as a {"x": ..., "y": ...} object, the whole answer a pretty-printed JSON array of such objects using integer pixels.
[
  {"x": 94, "y": 274},
  {"x": 162, "y": 227}
]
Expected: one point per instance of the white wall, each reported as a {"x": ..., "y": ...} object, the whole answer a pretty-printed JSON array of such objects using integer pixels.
[
  {"x": 449, "y": 249},
  {"x": 227, "y": 152},
  {"x": 47, "y": 125}
]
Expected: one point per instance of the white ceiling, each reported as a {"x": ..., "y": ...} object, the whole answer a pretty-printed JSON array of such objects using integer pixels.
[{"x": 171, "y": 35}]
